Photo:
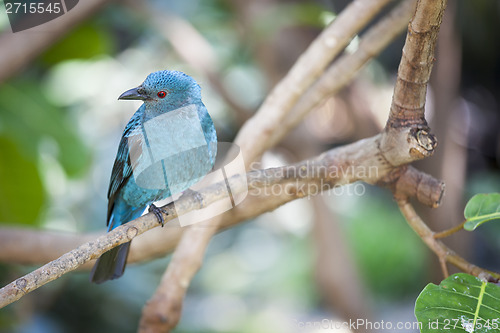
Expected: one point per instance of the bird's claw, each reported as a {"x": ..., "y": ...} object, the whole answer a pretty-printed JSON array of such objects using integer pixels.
[{"x": 158, "y": 213}]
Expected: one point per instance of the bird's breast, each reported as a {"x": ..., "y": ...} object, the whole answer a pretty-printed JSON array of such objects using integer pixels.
[{"x": 169, "y": 151}]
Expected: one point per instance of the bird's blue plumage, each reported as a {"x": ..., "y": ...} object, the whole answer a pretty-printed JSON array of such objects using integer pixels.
[{"x": 167, "y": 146}]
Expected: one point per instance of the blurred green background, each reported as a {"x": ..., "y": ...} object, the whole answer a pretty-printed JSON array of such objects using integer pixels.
[{"x": 60, "y": 124}]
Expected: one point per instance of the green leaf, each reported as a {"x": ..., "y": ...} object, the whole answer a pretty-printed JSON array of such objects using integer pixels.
[
  {"x": 21, "y": 190},
  {"x": 461, "y": 303},
  {"x": 27, "y": 117},
  {"x": 86, "y": 41},
  {"x": 482, "y": 208},
  {"x": 399, "y": 273}
]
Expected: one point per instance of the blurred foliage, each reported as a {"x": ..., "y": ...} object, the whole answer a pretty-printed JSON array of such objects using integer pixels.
[
  {"x": 21, "y": 191},
  {"x": 392, "y": 258},
  {"x": 29, "y": 126},
  {"x": 96, "y": 38},
  {"x": 28, "y": 118}
]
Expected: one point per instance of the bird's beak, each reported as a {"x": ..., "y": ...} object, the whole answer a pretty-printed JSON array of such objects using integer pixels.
[{"x": 134, "y": 93}]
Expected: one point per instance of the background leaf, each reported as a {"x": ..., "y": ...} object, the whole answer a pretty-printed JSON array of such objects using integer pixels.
[
  {"x": 382, "y": 243},
  {"x": 27, "y": 117},
  {"x": 482, "y": 208},
  {"x": 461, "y": 303},
  {"x": 96, "y": 39},
  {"x": 21, "y": 190}
]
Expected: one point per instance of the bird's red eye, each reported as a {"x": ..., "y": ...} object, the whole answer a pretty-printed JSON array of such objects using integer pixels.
[{"x": 162, "y": 94}]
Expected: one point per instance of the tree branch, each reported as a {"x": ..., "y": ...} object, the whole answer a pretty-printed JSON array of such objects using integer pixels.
[
  {"x": 406, "y": 181},
  {"x": 39, "y": 246},
  {"x": 343, "y": 70},
  {"x": 359, "y": 161},
  {"x": 415, "y": 68},
  {"x": 43, "y": 246},
  {"x": 311, "y": 65}
]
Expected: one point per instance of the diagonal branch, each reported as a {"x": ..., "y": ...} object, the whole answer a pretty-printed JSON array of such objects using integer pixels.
[
  {"x": 310, "y": 66},
  {"x": 363, "y": 160},
  {"x": 359, "y": 161},
  {"x": 344, "y": 69}
]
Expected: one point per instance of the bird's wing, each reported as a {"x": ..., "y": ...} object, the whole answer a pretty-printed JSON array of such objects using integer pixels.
[{"x": 122, "y": 168}]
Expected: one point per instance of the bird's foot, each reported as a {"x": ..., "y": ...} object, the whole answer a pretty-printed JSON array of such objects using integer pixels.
[
  {"x": 196, "y": 195},
  {"x": 158, "y": 213}
]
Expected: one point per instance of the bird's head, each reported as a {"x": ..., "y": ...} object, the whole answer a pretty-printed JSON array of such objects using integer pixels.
[{"x": 166, "y": 88}]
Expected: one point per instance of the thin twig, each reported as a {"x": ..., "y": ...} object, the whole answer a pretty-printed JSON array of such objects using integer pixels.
[
  {"x": 440, "y": 249},
  {"x": 449, "y": 232}
]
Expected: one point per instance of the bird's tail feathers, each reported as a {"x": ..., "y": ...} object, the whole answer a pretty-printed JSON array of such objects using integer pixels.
[{"x": 111, "y": 264}]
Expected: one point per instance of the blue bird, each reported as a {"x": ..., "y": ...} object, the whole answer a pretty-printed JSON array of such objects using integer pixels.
[{"x": 168, "y": 145}]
